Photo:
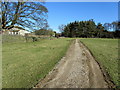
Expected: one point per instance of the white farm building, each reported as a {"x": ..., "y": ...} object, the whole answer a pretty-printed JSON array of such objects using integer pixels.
[{"x": 16, "y": 30}]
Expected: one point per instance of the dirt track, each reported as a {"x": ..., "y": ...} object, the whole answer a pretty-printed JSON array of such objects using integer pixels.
[{"x": 77, "y": 69}]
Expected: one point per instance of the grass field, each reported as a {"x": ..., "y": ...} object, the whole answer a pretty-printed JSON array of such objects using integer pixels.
[
  {"x": 12, "y": 39},
  {"x": 25, "y": 63},
  {"x": 106, "y": 52}
]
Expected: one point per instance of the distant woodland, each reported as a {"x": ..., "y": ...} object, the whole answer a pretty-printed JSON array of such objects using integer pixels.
[{"x": 88, "y": 29}]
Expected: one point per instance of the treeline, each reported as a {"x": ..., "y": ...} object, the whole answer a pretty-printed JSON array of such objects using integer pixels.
[
  {"x": 44, "y": 32},
  {"x": 48, "y": 32},
  {"x": 89, "y": 29}
]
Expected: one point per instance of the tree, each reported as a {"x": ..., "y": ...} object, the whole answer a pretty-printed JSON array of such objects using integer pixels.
[
  {"x": 115, "y": 25},
  {"x": 117, "y": 34},
  {"x": 108, "y": 26},
  {"x": 61, "y": 28},
  {"x": 26, "y": 14},
  {"x": 90, "y": 29},
  {"x": 100, "y": 30},
  {"x": 71, "y": 27},
  {"x": 44, "y": 32},
  {"x": 66, "y": 32}
]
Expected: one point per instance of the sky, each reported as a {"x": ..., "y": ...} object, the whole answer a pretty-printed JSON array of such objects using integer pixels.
[
  {"x": 80, "y": 0},
  {"x": 66, "y": 12}
]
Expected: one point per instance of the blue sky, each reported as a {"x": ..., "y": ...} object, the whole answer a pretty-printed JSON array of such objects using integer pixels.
[{"x": 66, "y": 12}]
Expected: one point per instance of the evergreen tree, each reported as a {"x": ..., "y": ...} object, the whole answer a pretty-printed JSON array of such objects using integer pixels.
[{"x": 90, "y": 29}]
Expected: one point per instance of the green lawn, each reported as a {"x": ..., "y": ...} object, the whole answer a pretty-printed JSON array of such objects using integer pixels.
[
  {"x": 25, "y": 63},
  {"x": 106, "y": 52}
]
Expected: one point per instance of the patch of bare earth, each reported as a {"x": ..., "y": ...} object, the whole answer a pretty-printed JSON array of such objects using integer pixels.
[{"x": 77, "y": 69}]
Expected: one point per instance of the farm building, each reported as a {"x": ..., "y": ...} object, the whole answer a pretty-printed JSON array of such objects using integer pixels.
[{"x": 16, "y": 31}]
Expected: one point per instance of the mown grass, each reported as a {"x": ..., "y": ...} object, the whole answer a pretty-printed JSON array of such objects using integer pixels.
[
  {"x": 25, "y": 63},
  {"x": 106, "y": 52}
]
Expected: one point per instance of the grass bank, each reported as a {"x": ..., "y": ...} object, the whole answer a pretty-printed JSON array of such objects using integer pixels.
[
  {"x": 25, "y": 63},
  {"x": 106, "y": 52}
]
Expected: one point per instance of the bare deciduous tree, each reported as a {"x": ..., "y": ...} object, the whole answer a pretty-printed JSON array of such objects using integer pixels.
[
  {"x": 61, "y": 27},
  {"x": 32, "y": 15}
]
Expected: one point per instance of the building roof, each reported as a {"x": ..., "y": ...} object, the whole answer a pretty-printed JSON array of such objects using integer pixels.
[
  {"x": 19, "y": 27},
  {"x": 16, "y": 28}
]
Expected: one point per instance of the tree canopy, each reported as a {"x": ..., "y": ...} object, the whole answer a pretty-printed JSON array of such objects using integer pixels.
[
  {"x": 32, "y": 15},
  {"x": 89, "y": 29},
  {"x": 44, "y": 32}
]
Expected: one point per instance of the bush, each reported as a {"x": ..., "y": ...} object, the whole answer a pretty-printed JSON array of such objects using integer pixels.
[{"x": 34, "y": 39}]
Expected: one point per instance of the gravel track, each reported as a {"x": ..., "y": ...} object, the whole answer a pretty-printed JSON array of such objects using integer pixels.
[{"x": 77, "y": 69}]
